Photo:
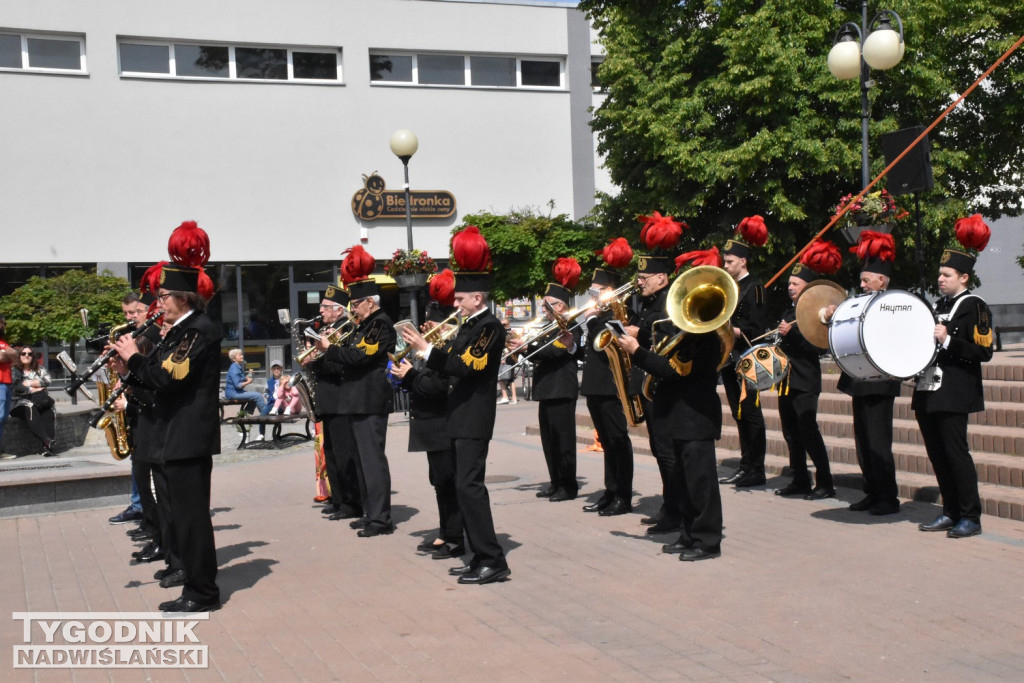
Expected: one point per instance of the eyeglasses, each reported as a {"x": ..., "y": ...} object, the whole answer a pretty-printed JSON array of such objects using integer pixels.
[{"x": 163, "y": 297}]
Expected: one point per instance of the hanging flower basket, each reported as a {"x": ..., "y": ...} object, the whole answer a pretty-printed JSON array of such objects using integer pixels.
[
  {"x": 411, "y": 268},
  {"x": 874, "y": 211},
  {"x": 411, "y": 280}
]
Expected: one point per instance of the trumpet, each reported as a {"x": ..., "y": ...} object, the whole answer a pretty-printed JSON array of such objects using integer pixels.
[
  {"x": 336, "y": 336},
  {"x": 436, "y": 336},
  {"x": 559, "y": 323}
]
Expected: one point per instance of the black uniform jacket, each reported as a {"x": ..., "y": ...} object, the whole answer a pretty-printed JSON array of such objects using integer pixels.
[
  {"x": 804, "y": 363},
  {"x": 970, "y": 345},
  {"x": 473, "y": 361},
  {"x": 183, "y": 374},
  {"x": 652, "y": 309},
  {"x": 428, "y": 409},
  {"x": 686, "y": 406},
  {"x": 555, "y": 373},
  {"x": 329, "y": 375},
  {"x": 750, "y": 315},
  {"x": 365, "y": 389}
]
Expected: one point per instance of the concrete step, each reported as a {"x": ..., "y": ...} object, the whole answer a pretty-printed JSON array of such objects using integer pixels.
[{"x": 1008, "y": 391}]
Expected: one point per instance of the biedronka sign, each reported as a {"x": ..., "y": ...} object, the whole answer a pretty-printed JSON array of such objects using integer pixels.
[{"x": 372, "y": 201}]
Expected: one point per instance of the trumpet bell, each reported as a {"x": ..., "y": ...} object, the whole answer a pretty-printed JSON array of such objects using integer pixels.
[{"x": 702, "y": 299}]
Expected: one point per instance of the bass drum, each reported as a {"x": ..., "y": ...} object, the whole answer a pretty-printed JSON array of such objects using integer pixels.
[{"x": 883, "y": 335}]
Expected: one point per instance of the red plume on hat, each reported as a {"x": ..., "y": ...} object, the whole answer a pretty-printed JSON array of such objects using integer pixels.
[
  {"x": 972, "y": 232},
  {"x": 822, "y": 257},
  {"x": 661, "y": 232},
  {"x": 189, "y": 245},
  {"x": 753, "y": 231},
  {"x": 701, "y": 257},
  {"x": 567, "y": 271},
  {"x": 357, "y": 264},
  {"x": 442, "y": 287},
  {"x": 150, "y": 283},
  {"x": 874, "y": 244},
  {"x": 470, "y": 251},
  {"x": 617, "y": 254}
]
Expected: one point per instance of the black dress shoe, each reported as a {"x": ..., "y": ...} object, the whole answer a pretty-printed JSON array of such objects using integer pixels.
[
  {"x": 884, "y": 508},
  {"x": 545, "y": 493},
  {"x": 821, "y": 493},
  {"x": 161, "y": 573},
  {"x": 343, "y": 514},
  {"x": 863, "y": 504},
  {"x": 665, "y": 526},
  {"x": 141, "y": 537},
  {"x": 360, "y": 523},
  {"x": 677, "y": 547},
  {"x": 964, "y": 528},
  {"x": 653, "y": 519},
  {"x": 940, "y": 523},
  {"x": 794, "y": 489},
  {"x": 172, "y": 579},
  {"x": 448, "y": 551},
  {"x": 484, "y": 575},
  {"x": 148, "y": 548},
  {"x": 604, "y": 501},
  {"x": 734, "y": 477},
  {"x": 617, "y": 507},
  {"x": 375, "y": 530},
  {"x": 751, "y": 478},
  {"x": 428, "y": 546},
  {"x": 697, "y": 554},
  {"x": 184, "y": 605},
  {"x": 459, "y": 571},
  {"x": 560, "y": 495},
  {"x": 329, "y": 509},
  {"x": 150, "y": 555}
]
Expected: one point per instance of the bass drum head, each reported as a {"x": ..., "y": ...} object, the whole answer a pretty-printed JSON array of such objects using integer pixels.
[{"x": 899, "y": 333}]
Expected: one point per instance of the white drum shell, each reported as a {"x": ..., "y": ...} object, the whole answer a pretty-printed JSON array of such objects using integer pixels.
[{"x": 883, "y": 335}]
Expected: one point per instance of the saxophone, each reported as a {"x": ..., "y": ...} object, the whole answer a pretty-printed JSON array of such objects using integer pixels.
[
  {"x": 620, "y": 364},
  {"x": 113, "y": 424}
]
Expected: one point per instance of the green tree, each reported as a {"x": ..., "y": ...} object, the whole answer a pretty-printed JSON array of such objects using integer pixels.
[
  {"x": 720, "y": 110},
  {"x": 525, "y": 243},
  {"x": 47, "y": 308}
]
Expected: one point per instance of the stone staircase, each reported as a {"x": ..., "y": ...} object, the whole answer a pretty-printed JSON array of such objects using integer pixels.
[{"x": 996, "y": 437}]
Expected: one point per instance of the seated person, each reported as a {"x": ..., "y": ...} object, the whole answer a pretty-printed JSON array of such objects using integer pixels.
[
  {"x": 286, "y": 398},
  {"x": 32, "y": 403},
  {"x": 238, "y": 379}
]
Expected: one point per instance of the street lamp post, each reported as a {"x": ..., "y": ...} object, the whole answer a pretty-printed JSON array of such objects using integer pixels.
[
  {"x": 857, "y": 50},
  {"x": 403, "y": 145}
]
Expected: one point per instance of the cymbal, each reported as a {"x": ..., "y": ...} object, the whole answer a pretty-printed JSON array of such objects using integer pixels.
[{"x": 816, "y": 296}]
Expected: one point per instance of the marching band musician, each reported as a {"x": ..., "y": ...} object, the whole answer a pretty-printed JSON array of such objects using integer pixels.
[
  {"x": 428, "y": 431},
  {"x": 598, "y": 386},
  {"x": 873, "y": 399},
  {"x": 342, "y": 470},
  {"x": 748, "y": 322},
  {"x": 183, "y": 374},
  {"x": 952, "y": 387},
  {"x": 686, "y": 413},
  {"x": 661, "y": 234},
  {"x": 364, "y": 399},
  {"x": 556, "y": 386},
  {"x": 473, "y": 361},
  {"x": 798, "y": 407}
]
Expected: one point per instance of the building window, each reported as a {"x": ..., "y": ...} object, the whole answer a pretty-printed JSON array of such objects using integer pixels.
[
  {"x": 595, "y": 79},
  {"x": 42, "y": 53},
  {"x": 480, "y": 71},
  {"x": 243, "y": 63}
]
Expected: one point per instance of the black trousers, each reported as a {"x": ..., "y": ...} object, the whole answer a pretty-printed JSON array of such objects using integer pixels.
[
  {"x": 475, "y": 502},
  {"x": 42, "y": 423},
  {"x": 872, "y": 430},
  {"x": 613, "y": 432},
  {"x": 368, "y": 440},
  {"x": 749, "y": 421},
  {"x": 341, "y": 463},
  {"x": 663, "y": 448},
  {"x": 168, "y": 542},
  {"x": 441, "y": 470},
  {"x": 798, "y": 412},
  {"x": 700, "y": 498},
  {"x": 558, "y": 438},
  {"x": 945, "y": 438},
  {"x": 142, "y": 473},
  {"x": 188, "y": 483}
]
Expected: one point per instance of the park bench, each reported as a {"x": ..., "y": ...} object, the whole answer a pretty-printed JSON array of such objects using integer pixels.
[{"x": 244, "y": 423}]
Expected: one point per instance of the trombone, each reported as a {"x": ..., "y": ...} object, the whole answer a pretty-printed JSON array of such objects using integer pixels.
[
  {"x": 335, "y": 336},
  {"x": 436, "y": 336}
]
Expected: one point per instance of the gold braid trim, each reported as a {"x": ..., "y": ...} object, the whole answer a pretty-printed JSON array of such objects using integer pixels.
[
  {"x": 472, "y": 361},
  {"x": 176, "y": 370},
  {"x": 982, "y": 339},
  {"x": 368, "y": 349}
]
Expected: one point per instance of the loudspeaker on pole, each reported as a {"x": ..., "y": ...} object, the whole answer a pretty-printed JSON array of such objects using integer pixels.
[{"x": 914, "y": 172}]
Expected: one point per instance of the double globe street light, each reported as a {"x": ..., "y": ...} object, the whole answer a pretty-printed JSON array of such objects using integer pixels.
[{"x": 857, "y": 50}]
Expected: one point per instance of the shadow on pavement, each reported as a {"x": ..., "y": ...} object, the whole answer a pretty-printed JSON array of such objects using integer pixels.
[
  {"x": 233, "y": 552},
  {"x": 242, "y": 576}
]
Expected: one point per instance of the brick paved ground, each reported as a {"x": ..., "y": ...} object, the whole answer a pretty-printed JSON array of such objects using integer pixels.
[{"x": 803, "y": 590}]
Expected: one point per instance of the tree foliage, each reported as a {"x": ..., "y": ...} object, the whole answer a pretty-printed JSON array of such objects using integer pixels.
[
  {"x": 524, "y": 244},
  {"x": 720, "y": 110},
  {"x": 47, "y": 308}
]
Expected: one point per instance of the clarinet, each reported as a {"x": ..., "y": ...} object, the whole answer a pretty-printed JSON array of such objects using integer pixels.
[{"x": 79, "y": 380}]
